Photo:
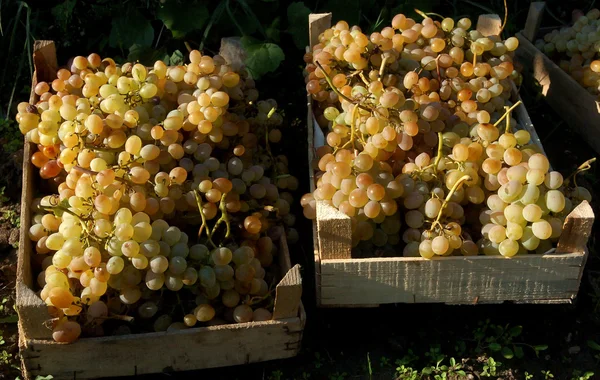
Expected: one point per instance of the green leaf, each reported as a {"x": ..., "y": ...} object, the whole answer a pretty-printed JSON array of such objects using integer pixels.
[
  {"x": 49, "y": 377},
  {"x": 593, "y": 345},
  {"x": 181, "y": 19},
  {"x": 177, "y": 58},
  {"x": 507, "y": 353},
  {"x": 495, "y": 347},
  {"x": 515, "y": 331},
  {"x": 273, "y": 30},
  {"x": 519, "y": 352},
  {"x": 541, "y": 347},
  {"x": 297, "y": 14},
  {"x": 262, "y": 57},
  {"x": 427, "y": 371},
  {"x": 130, "y": 29},
  {"x": 10, "y": 319}
]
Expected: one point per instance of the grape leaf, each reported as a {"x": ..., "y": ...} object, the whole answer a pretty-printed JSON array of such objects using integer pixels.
[
  {"x": 515, "y": 331},
  {"x": 262, "y": 57},
  {"x": 130, "y": 29},
  {"x": 297, "y": 14},
  {"x": 62, "y": 13},
  {"x": 273, "y": 30},
  {"x": 180, "y": 19},
  {"x": 145, "y": 54}
]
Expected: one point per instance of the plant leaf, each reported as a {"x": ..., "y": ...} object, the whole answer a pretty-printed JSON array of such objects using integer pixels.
[
  {"x": 507, "y": 353},
  {"x": 515, "y": 331},
  {"x": 177, "y": 58},
  {"x": 519, "y": 352},
  {"x": 593, "y": 345},
  {"x": 262, "y": 57},
  {"x": 181, "y": 19},
  {"x": 273, "y": 30},
  {"x": 62, "y": 13},
  {"x": 495, "y": 347},
  {"x": 130, "y": 29},
  {"x": 541, "y": 347},
  {"x": 145, "y": 54},
  {"x": 297, "y": 14}
]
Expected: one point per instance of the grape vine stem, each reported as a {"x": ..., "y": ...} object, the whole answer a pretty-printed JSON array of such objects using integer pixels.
[
  {"x": 330, "y": 83},
  {"x": 456, "y": 186},
  {"x": 204, "y": 224},
  {"x": 581, "y": 168},
  {"x": 508, "y": 111},
  {"x": 91, "y": 172},
  {"x": 223, "y": 219}
]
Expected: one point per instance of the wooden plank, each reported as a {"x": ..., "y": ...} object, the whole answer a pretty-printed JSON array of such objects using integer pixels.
[
  {"x": 534, "y": 19},
  {"x": 568, "y": 98},
  {"x": 334, "y": 229},
  {"x": 317, "y": 23},
  {"x": 288, "y": 294},
  {"x": 576, "y": 229},
  {"x": 32, "y": 311},
  {"x": 462, "y": 280},
  {"x": 129, "y": 355}
]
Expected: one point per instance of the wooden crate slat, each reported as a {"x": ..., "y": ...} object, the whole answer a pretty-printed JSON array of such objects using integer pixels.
[
  {"x": 129, "y": 355},
  {"x": 451, "y": 279}
]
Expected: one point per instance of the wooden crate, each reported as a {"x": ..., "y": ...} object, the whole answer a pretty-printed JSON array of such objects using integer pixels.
[
  {"x": 136, "y": 354},
  {"x": 579, "y": 108},
  {"x": 343, "y": 281}
]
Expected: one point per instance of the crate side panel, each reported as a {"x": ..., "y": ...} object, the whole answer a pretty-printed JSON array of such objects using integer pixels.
[{"x": 451, "y": 280}]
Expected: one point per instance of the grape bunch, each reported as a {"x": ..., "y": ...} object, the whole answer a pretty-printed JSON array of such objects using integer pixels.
[
  {"x": 162, "y": 199},
  {"x": 422, "y": 152},
  {"x": 575, "y": 49}
]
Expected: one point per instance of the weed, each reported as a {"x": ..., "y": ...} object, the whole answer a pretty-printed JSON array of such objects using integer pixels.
[
  {"x": 276, "y": 375},
  {"x": 578, "y": 375},
  {"x": 406, "y": 373},
  {"x": 318, "y": 360},
  {"x": 490, "y": 367},
  {"x": 338, "y": 376},
  {"x": 547, "y": 374},
  {"x": 384, "y": 362},
  {"x": 12, "y": 217},
  {"x": 496, "y": 338},
  {"x": 3, "y": 197},
  {"x": 305, "y": 375},
  {"x": 528, "y": 376}
]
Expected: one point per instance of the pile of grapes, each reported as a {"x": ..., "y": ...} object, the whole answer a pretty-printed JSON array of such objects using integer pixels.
[
  {"x": 421, "y": 150},
  {"x": 576, "y": 49},
  {"x": 166, "y": 200}
]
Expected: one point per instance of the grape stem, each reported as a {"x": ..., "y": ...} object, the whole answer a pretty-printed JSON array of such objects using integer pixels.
[
  {"x": 330, "y": 83},
  {"x": 362, "y": 77},
  {"x": 224, "y": 217},
  {"x": 382, "y": 67},
  {"x": 439, "y": 155},
  {"x": 351, "y": 141},
  {"x": 581, "y": 168},
  {"x": 204, "y": 224},
  {"x": 507, "y": 113},
  {"x": 507, "y": 129},
  {"x": 456, "y": 186}
]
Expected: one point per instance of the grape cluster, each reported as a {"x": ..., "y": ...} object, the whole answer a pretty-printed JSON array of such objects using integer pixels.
[
  {"x": 416, "y": 145},
  {"x": 575, "y": 49},
  {"x": 161, "y": 178}
]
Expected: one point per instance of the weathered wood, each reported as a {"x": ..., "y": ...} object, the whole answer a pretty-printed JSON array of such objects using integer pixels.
[
  {"x": 454, "y": 279},
  {"x": 196, "y": 348},
  {"x": 129, "y": 355},
  {"x": 534, "y": 19},
  {"x": 568, "y": 98},
  {"x": 489, "y": 25},
  {"x": 334, "y": 229},
  {"x": 317, "y": 23},
  {"x": 32, "y": 311},
  {"x": 576, "y": 229}
]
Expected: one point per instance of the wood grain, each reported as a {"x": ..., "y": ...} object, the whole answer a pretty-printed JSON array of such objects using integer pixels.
[
  {"x": 317, "y": 23},
  {"x": 129, "y": 355},
  {"x": 534, "y": 19},
  {"x": 456, "y": 279},
  {"x": 577, "y": 107}
]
